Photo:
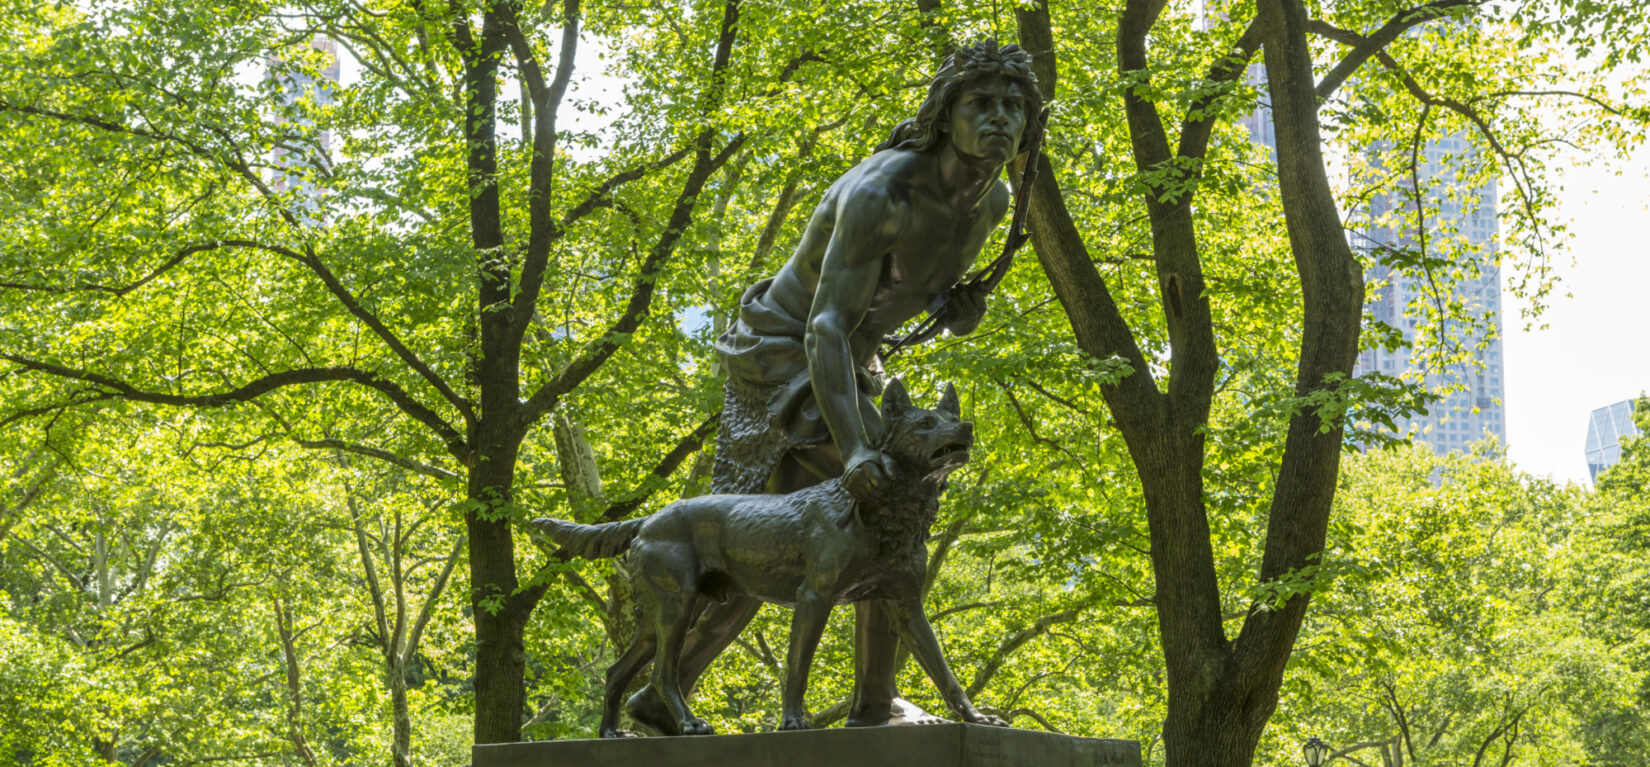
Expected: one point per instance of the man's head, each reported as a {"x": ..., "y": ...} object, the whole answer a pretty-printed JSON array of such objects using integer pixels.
[{"x": 981, "y": 66}]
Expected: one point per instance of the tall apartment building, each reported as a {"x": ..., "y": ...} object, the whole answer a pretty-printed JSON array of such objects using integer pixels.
[
  {"x": 1472, "y": 406},
  {"x": 1472, "y": 389},
  {"x": 1606, "y": 427},
  {"x": 293, "y": 162}
]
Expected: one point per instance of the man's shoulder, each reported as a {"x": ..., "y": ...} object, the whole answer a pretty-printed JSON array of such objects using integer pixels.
[
  {"x": 886, "y": 175},
  {"x": 874, "y": 195},
  {"x": 1000, "y": 199}
]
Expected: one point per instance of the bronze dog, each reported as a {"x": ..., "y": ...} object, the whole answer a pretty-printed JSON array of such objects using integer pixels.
[{"x": 811, "y": 549}]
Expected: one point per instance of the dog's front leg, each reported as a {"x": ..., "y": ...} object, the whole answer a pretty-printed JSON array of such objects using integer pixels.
[
  {"x": 807, "y": 625},
  {"x": 918, "y": 635}
]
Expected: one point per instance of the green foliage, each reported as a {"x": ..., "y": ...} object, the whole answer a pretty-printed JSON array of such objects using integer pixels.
[
  {"x": 188, "y": 583},
  {"x": 1469, "y": 620}
]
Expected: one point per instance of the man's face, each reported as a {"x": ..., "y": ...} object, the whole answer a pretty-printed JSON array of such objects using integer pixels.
[{"x": 987, "y": 119}]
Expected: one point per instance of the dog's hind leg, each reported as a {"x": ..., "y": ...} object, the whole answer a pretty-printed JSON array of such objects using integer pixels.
[
  {"x": 717, "y": 627},
  {"x": 621, "y": 673},
  {"x": 674, "y": 615}
]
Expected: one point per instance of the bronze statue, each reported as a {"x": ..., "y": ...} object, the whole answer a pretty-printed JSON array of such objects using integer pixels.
[
  {"x": 813, "y": 549},
  {"x": 889, "y": 239}
]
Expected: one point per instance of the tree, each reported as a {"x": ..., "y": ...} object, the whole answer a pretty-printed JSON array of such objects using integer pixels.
[
  {"x": 1609, "y": 583},
  {"x": 273, "y": 309},
  {"x": 469, "y": 266},
  {"x": 179, "y": 595},
  {"x": 1223, "y": 684},
  {"x": 1467, "y": 632}
]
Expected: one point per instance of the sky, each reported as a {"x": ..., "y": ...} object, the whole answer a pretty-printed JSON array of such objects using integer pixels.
[{"x": 1593, "y": 351}]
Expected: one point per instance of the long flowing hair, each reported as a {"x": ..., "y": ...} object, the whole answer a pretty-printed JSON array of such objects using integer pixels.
[{"x": 970, "y": 64}]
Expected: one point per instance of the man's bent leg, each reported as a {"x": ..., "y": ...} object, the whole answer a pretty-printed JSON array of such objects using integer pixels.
[{"x": 876, "y": 698}]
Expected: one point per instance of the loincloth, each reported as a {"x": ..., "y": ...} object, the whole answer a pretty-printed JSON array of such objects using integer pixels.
[{"x": 768, "y": 406}]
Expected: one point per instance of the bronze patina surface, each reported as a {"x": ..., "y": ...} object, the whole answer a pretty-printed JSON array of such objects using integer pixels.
[
  {"x": 889, "y": 239},
  {"x": 810, "y": 549}
]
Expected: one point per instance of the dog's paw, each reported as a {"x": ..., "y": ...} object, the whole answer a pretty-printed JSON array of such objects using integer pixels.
[
  {"x": 795, "y": 723},
  {"x": 695, "y": 726}
]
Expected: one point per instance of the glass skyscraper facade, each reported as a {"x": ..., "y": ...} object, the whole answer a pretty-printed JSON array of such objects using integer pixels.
[
  {"x": 1460, "y": 220},
  {"x": 1464, "y": 220},
  {"x": 1605, "y": 429},
  {"x": 295, "y": 164}
]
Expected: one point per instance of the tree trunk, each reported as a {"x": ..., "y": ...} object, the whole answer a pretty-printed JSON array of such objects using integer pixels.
[
  {"x": 401, "y": 745},
  {"x": 501, "y": 659},
  {"x": 1221, "y": 692}
]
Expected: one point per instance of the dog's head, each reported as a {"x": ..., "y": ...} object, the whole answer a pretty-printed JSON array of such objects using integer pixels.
[{"x": 927, "y": 443}]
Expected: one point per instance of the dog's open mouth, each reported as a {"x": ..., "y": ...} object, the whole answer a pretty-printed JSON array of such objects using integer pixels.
[{"x": 948, "y": 452}]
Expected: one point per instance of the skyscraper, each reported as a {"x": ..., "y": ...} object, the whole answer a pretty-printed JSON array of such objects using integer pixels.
[
  {"x": 1462, "y": 219},
  {"x": 1606, "y": 427},
  {"x": 1472, "y": 389},
  {"x": 297, "y": 161}
]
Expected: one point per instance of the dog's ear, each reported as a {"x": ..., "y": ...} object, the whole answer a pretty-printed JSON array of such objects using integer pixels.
[
  {"x": 894, "y": 401},
  {"x": 949, "y": 402}
]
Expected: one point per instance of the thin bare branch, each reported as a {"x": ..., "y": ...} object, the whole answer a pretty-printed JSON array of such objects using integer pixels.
[
  {"x": 597, "y": 352},
  {"x": 684, "y": 447},
  {"x": 1017, "y": 640},
  {"x": 1222, "y": 76}
]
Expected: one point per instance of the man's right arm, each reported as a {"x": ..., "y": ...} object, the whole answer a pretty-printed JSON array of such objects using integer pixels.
[{"x": 865, "y": 225}]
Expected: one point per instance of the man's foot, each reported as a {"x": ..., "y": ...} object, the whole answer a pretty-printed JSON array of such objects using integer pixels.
[
  {"x": 693, "y": 725},
  {"x": 899, "y": 712},
  {"x": 975, "y": 716},
  {"x": 647, "y": 709}
]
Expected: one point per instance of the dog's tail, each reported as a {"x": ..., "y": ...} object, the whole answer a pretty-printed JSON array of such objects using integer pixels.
[{"x": 591, "y": 541}]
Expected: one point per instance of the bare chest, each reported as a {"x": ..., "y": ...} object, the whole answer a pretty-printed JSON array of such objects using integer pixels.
[{"x": 924, "y": 262}]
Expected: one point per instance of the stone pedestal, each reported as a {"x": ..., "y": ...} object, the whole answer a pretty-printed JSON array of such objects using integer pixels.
[{"x": 942, "y": 745}]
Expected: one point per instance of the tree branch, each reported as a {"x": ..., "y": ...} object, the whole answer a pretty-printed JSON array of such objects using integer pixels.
[
  {"x": 667, "y": 465},
  {"x": 597, "y": 352},
  {"x": 1025, "y": 420},
  {"x": 1016, "y": 713},
  {"x": 119, "y": 389},
  {"x": 1200, "y": 116},
  {"x": 1017, "y": 640},
  {"x": 178, "y": 257},
  {"x": 336, "y": 287},
  {"x": 1394, "y": 28},
  {"x": 533, "y": 266},
  {"x": 386, "y": 456},
  {"x": 542, "y": 232},
  {"x": 375, "y": 589},
  {"x": 1517, "y": 169},
  {"x": 684, "y": 447},
  {"x": 422, "y": 619},
  {"x": 1099, "y": 327}
]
